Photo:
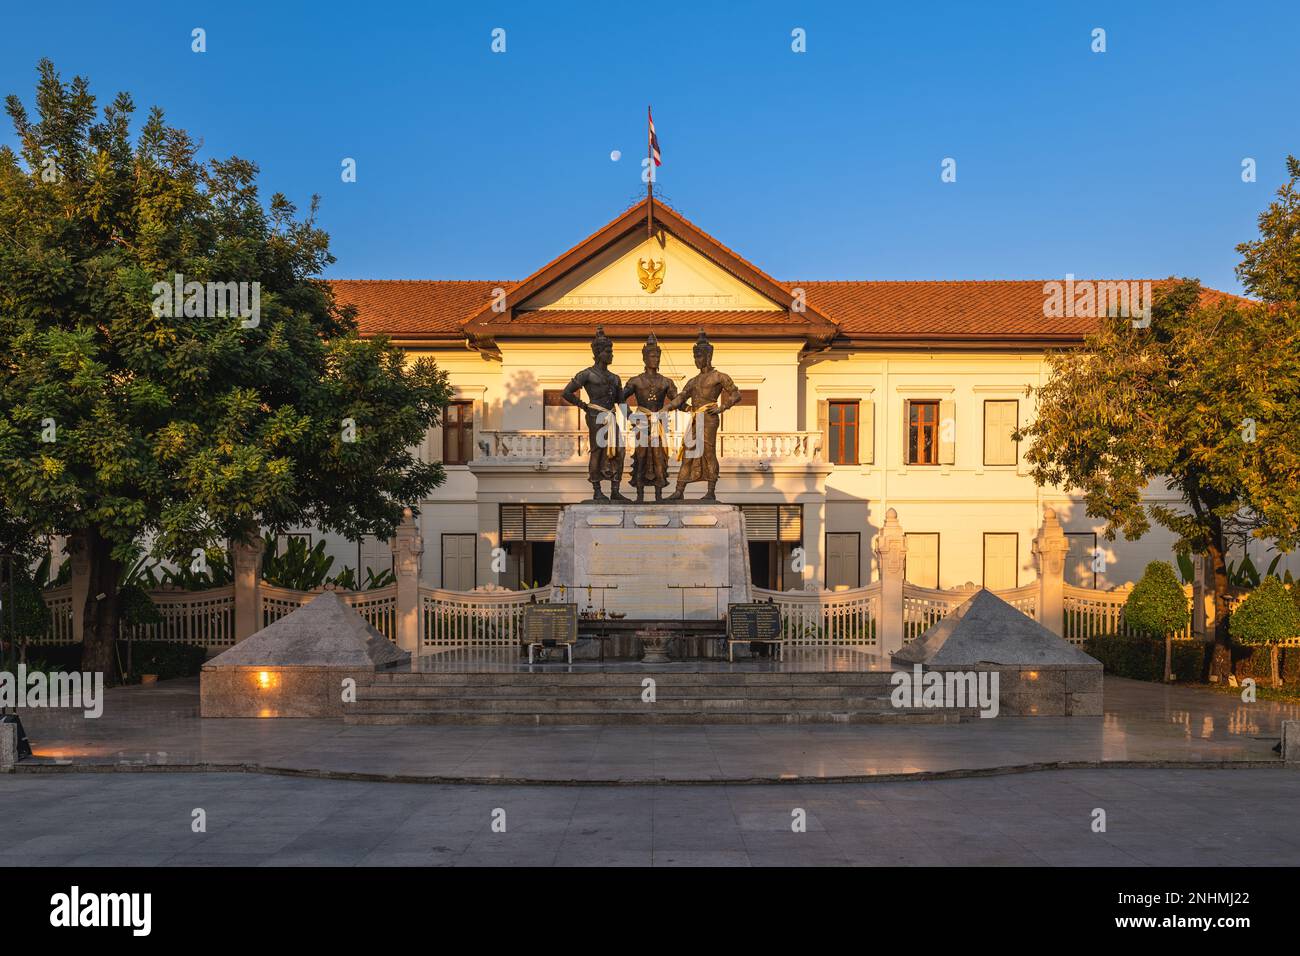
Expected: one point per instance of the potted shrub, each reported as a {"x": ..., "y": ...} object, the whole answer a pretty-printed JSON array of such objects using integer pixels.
[
  {"x": 1158, "y": 605},
  {"x": 1268, "y": 616}
]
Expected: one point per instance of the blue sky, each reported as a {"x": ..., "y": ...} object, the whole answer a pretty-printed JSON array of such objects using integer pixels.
[{"x": 820, "y": 165}]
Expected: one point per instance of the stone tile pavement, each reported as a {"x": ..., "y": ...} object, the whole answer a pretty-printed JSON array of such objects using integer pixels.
[
  {"x": 1154, "y": 817},
  {"x": 1144, "y": 723}
]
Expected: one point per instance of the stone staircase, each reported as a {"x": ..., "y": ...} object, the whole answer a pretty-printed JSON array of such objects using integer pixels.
[{"x": 616, "y": 697}]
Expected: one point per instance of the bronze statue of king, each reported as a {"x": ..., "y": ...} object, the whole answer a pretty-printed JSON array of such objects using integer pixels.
[
  {"x": 710, "y": 393},
  {"x": 650, "y": 436},
  {"x": 604, "y": 392}
]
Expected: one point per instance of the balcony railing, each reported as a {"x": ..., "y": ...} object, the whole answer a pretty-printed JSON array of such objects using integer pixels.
[{"x": 533, "y": 445}]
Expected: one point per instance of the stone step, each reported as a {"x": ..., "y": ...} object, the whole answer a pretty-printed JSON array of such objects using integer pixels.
[
  {"x": 558, "y": 719},
  {"x": 615, "y": 691},
  {"x": 629, "y": 677},
  {"x": 613, "y": 705}
]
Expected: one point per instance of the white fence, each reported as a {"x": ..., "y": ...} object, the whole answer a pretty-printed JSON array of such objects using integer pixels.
[
  {"x": 475, "y": 618},
  {"x": 827, "y": 617},
  {"x": 191, "y": 617},
  {"x": 1091, "y": 613},
  {"x": 378, "y": 607},
  {"x": 59, "y": 601}
]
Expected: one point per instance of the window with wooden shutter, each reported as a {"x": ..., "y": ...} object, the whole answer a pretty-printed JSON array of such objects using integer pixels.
[
  {"x": 842, "y": 430},
  {"x": 1000, "y": 421},
  {"x": 922, "y": 432},
  {"x": 921, "y": 566},
  {"x": 529, "y": 522},
  {"x": 557, "y": 414},
  {"x": 842, "y": 553},
  {"x": 773, "y": 522},
  {"x": 1079, "y": 561},
  {"x": 458, "y": 433},
  {"x": 1001, "y": 561},
  {"x": 743, "y": 416}
]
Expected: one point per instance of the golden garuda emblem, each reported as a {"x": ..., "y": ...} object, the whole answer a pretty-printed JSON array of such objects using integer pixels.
[{"x": 651, "y": 274}]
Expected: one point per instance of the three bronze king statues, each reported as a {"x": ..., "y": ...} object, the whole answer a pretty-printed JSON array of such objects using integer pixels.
[{"x": 710, "y": 393}]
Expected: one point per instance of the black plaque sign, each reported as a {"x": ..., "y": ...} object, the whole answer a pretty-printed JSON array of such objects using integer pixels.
[
  {"x": 550, "y": 624},
  {"x": 754, "y": 622}
]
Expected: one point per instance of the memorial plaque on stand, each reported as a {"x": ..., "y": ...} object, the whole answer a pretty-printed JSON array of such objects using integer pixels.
[
  {"x": 550, "y": 624},
  {"x": 754, "y": 622}
]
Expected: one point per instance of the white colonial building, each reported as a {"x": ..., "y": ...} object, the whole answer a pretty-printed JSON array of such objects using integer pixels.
[{"x": 858, "y": 397}]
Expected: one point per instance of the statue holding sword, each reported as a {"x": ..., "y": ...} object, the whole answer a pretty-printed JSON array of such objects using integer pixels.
[
  {"x": 710, "y": 393},
  {"x": 604, "y": 392}
]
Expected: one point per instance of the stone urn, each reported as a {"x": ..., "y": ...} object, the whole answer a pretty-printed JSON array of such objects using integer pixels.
[{"x": 654, "y": 645}]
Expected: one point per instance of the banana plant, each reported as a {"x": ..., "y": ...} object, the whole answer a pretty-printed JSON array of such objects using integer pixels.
[{"x": 297, "y": 567}]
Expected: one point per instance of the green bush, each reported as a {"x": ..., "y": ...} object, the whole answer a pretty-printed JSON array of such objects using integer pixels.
[
  {"x": 1142, "y": 658},
  {"x": 1157, "y": 605},
  {"x": 163, "y": 658},
  {"x": 1266, "y": 617}
]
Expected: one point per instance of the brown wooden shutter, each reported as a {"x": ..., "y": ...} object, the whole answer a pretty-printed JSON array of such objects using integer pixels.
[
  {"x": 790, "y": 519},
  {"x": 947, "y": 433},
  {"x": 823, "y": 425},
  {"x": 761, "y": 522},
  {"x": 867, "y": 432},
  {"x": 512, "y": 523},
  {"x": 907, "y": 424},
  {"x": 540, "y": 521}
]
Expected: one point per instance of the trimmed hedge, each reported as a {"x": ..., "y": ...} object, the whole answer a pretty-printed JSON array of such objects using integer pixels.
[
  {"x": 1144, "y": 658},
  {"x": 163, "y": 658}
]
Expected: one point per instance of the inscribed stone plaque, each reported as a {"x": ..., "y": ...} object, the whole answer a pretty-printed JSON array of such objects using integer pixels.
[
  {"x": 545, "y": 623},
  {"x": 754, "y": 622}
]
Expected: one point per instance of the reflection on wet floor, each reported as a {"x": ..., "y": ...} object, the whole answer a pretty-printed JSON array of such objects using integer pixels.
[
  {"x": 489, "y": 660},
  {"x": 1143, "y": 722}
]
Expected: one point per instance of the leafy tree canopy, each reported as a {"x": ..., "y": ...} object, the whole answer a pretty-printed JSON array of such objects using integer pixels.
[
  {"x": 122, "y": 414},
  {"x": 1268, "y": 615},
  {"x": 1157, "y": 604}
]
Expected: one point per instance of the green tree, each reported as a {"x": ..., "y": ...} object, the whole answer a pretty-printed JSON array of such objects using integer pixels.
[
  {"x": 125, "y": 416},
  {"x": 1158, "y": 605},
  {"x": 1200, "y": 401},
  {"x": 1267, "y": 616}
]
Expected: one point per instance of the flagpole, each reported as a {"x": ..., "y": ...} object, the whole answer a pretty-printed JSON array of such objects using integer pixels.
[{"x": 650, "y": 177}]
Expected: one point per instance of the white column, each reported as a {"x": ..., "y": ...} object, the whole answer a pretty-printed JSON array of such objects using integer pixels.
[
  {"x": 246, "y": 556},
  {"x": 407, "y": 548},
  {"x": 891, "y": 551},
  {"x": 1050, "y": 548}
]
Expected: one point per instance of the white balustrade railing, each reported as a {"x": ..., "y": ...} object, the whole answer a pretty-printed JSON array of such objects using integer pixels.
[
  {"x": 925, "y": 607},
  {"x": 1092, "y": 613},
  {"x": 59, "y": 601},
  {"x": 475, "y": 618},
  {"x": 205, "y": 617},
  {"x": 533, "y": 445},
  {"x": 827, "y": 617}
]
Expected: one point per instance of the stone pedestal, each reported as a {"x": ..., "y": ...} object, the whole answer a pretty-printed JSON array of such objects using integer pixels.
[
  {"x": 654, "y": 645},
  {"x": 652, "y": 562}
]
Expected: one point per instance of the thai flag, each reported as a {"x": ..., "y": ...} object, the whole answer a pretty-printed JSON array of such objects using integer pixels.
[{"x": 654, "y": 140}]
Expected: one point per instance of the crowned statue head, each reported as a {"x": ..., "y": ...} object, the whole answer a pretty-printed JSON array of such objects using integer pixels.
[
  {"x": 602, "y": 346},
  {"x": 703, "y": 351},
  {"x": 650, "y": 353}
]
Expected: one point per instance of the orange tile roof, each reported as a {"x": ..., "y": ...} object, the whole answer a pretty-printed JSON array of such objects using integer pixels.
[
  {"x": 924, "y": 311},
  {"x": 414, "y": 307}
]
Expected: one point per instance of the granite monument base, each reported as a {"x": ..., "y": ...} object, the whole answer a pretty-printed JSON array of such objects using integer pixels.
[
  {"x": 684, "y": 561},
  {"x": 1039, "y": 674},
  {"x": 297, "y": 666}
]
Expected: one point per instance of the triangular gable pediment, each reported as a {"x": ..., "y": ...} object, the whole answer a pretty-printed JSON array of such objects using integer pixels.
[
  {"x": 608, "y": 278},
  {"x": 650, "y": 273}
]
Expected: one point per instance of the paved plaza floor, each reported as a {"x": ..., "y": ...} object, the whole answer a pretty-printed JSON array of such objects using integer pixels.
[
  {"x": 1153, "y": 817},
  {"x": 159, "y": 727}
]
